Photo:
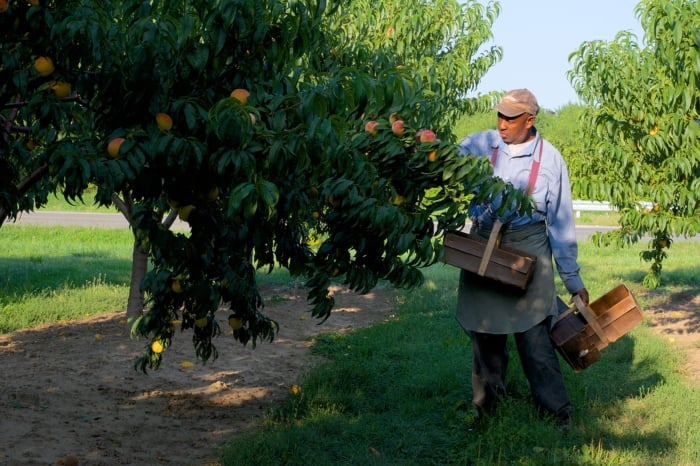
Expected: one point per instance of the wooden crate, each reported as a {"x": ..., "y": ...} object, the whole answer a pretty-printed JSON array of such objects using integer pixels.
[
  {"x": 582, "y": 332},
  {"x": 505, "y": 265}
]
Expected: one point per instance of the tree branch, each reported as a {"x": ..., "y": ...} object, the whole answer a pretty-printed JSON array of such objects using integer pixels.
[
  {"x": 170, "y": 219},
  {"x": 122, "y": 207},
  {"x": 24, "y": 186}
]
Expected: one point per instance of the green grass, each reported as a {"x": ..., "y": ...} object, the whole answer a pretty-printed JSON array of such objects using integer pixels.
[
  {"x": 597, "y": 218},
  {"x": 49, "y": 274},
  {"x": 398, "y": 393}
]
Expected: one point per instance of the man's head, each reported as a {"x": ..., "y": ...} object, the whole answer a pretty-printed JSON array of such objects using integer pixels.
[
  {"x": 517, "y": 102},
  {"x": 516, "y": 116}
]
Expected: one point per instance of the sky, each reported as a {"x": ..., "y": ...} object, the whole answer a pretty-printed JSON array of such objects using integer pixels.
[{"x": 537, "y": 37}]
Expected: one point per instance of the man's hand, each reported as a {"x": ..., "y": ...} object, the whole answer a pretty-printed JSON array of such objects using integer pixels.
[{"x": 583, "y": 294}]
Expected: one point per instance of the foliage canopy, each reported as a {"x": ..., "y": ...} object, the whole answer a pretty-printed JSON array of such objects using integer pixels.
[
  {"x": 281, "y": 173},
  {"x": 641, "y": 127}
]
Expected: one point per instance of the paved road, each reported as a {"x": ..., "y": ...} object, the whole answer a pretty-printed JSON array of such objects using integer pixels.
[
  {"x": 101, "y": 220},
  {"x": 108, "y": 220}
]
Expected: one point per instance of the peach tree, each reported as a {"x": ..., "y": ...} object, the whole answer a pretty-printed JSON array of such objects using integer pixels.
[
  {"x": 641, "y": 127},
  {"x": 301, "y": 135}
]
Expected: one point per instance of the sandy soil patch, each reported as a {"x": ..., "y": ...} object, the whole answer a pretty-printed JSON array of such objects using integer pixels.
[{"x": 71, "y": 389}]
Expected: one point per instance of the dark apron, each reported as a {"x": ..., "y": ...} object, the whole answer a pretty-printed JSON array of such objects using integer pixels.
[{"x": 487, "y": 306}]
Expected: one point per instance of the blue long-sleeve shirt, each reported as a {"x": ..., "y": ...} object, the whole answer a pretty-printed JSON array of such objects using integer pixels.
[{"x": 551, "y": 193}]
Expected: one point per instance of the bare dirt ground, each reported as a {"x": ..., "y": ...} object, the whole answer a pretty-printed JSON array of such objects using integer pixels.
[
  {"x": 71, "y": 390},
  {"x": 678, "y": 322}
]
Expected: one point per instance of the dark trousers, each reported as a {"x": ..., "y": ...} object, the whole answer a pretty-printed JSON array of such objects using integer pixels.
[{"x": 540, "y": 365}]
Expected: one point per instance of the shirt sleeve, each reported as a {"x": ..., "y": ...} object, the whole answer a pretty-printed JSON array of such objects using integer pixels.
[
  {"x": 479, "y": 144},
  {"x": 562, "y": 230}
]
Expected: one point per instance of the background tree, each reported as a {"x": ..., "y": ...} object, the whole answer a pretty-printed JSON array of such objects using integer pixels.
[
  {"x": 640, "y": 128},
  {"x": 267, "y": 126}
]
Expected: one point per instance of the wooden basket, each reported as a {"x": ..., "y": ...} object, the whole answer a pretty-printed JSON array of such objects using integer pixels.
[
  {"x": 488, "y": 259},
  {"x": 581, "y": 332}
]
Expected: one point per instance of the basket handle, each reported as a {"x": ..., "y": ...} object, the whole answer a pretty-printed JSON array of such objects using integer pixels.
[
  {"x": 590, "y": 318},
  {"x": 490, "y": 245}
]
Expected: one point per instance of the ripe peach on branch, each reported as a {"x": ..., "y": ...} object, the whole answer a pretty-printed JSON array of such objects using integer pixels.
[
  {"x": 426, "y": 135},
  {"x": 164, "y": 122},
  {"x": 44, "y": 66},
  {"x": 240, "y": 95},
  {"x": 397, "y": 127},
  {"x": 371, "y": 127},
  {"x": 113, "y": 147},
  {"x": 61, "y": 89}
]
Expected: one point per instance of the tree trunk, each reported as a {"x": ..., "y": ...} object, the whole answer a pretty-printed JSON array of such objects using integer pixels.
[
  {"x": 139, "y": 259},
  {"x": 139, "y": 266}
]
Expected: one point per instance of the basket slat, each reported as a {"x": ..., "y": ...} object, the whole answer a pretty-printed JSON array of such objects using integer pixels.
[{"x": 506, "y": 265}]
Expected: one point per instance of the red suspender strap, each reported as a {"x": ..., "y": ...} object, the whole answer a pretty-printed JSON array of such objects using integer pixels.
[
  {"x": 494, "y": 155},
  {"x": 534, "y": 169}
]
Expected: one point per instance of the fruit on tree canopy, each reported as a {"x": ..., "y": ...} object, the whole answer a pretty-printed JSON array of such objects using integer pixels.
[
  {"x": 235, "y": 322},
  {"x": 426, "y": 135},
  {"x": 184, "y": 212},
  {"x": 61, "y": 88},
  {"x": 213, "y": 194},
  {"x": 371, "y": 127},
  {"x": 164, "y": 121},
  {"x": 241, "y": 95},
  {"x": 44, "y": 66},
  {"x": 201, "y": 322},
  {"x": 157, "y": 347},
  {"x": 397, "y": 127},
  {"x": 176, "y": 286},
  {"x": 113, "y": 147}
]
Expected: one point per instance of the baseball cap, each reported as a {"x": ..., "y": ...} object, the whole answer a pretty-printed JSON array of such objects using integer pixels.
[{"x": 517, "y": 102}]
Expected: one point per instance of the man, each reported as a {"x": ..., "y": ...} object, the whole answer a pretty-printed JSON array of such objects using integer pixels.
[{"x": 487, "y": 311}]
